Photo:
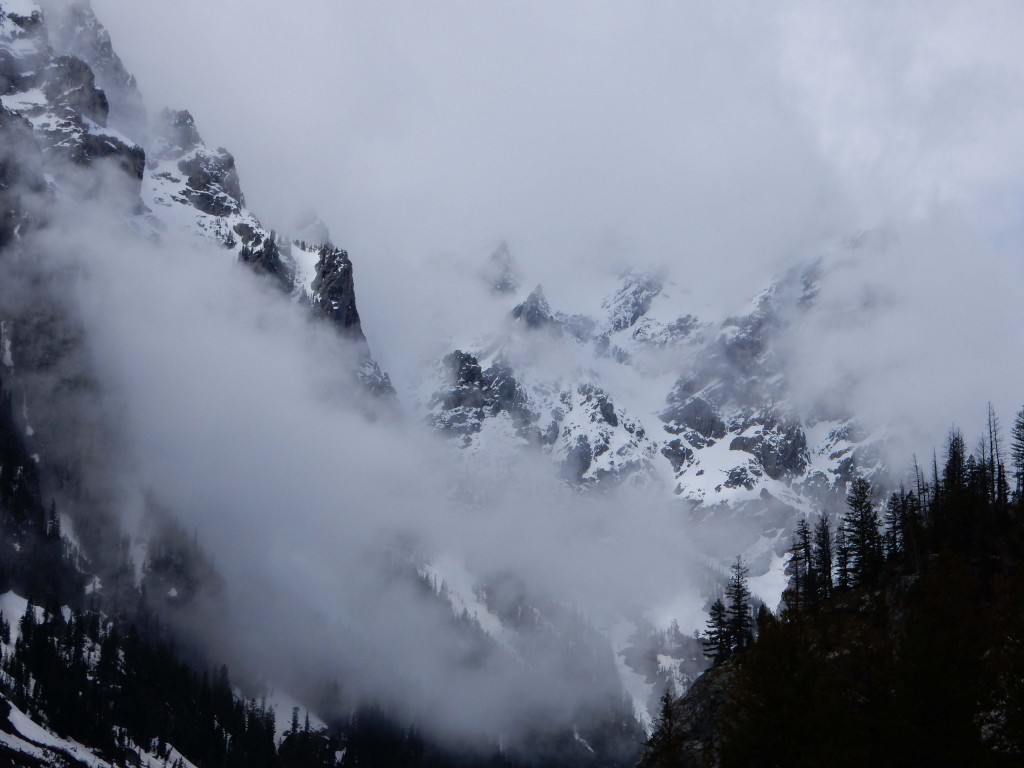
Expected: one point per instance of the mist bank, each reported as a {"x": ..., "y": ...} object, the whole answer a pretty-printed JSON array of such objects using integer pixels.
[{"x": 231, "y": 410}]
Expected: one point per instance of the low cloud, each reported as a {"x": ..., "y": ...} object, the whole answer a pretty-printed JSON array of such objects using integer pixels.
[{"x": 232, "y": 410}]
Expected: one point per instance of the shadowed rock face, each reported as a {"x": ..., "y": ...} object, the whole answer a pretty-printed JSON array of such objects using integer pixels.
[
  {"x": 213, "y": 185},
  {"x": 334, "y": 292},
  {"x": 781, "y": 449},
  {"x": 696, "y": 414},
  {"x": 472, "y": 394},
  {"x": 69, "y": 82},
  {"x": 334, "y": 299},
  {"x": 21, "y": 176},
  {"x": 73, "y": 29}
]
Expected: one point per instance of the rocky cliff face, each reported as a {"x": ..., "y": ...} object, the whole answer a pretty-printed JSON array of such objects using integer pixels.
[{"x": 74, "y": 30}]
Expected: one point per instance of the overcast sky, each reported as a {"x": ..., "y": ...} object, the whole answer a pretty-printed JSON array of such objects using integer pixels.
[{"x": 725, "y": 140}]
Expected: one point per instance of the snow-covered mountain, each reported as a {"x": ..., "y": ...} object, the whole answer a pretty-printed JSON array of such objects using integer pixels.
[{"x": 643, "y": 391}]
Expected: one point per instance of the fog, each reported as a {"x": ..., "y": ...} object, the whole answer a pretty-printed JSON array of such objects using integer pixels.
[
  {"x": 233, "y": 410},
  {"x": 722, "y": 142}
]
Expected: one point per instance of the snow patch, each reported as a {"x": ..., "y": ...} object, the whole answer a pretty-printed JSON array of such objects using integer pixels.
[
  {"x": 14, "y": 606},
  {"x": 635, "y": 684},
  {"x": 462, "y": 593},
  {"x": 770, "y": 585},
  {"x": 41, "y": 740}
]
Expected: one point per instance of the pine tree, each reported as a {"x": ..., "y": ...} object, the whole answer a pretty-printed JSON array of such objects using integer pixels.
[
  {"x": 1017, "y": 454},
  {"x": 864, "y": 540},
  {"x": 737, "y": 592},
  {"x": 954, "y": 475},
  {"x": 821, "y": 558},
  {"x": 798, "y": 568},
  {"x": 842, "y": 559},
  {"x": 663, "y": 748},
  {"x": 997, "y": 472},
  {"x": 717, "y": 645},
  {"x": 895, "y": 526}
]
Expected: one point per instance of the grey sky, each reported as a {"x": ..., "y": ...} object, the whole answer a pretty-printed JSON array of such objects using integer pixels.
[{"x": 722, "y": 139}]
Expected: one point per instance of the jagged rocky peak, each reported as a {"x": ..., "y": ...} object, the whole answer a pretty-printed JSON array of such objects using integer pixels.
[
  {"x": 212, "y": 184},
  {"x": 534, "y": 311},
  {"x": 469, "y": 394},
  {"x": 459, "y": 406},
  {"x": 645, "y": 313},
  {"x": 334, "y": 292},
  {"x": 501, "y": 272},
  {"x": 632, "y": 300},
  {"x": 177, "y": 130},
  {"x": 67, "y": 110},
  {"x": 74, "y": 30}
]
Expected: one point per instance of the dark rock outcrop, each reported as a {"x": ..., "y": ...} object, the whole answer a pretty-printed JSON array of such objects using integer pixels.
[
  {"x": 534, "y": 311},
  {"x": 687, "y": 736},
  {"x": 472, "y": 394},
  {"x": 696, "y": 414},
  {"x": 780, "y": 449},
  {"x": 334, "y": 299},
  {"x": 678, "y": 454},
  {"x": 70, "y": 83},
  {"x": 212, "y": 184},
  {"x": 265, "y": 255},
  {"x": 334, "y": 292},
  {"x": 22, "y": 184}
]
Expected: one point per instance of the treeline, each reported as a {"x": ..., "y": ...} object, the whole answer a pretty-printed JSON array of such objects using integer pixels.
[
  {"x": 900, "y": 640},
  {"x": 86, "y": 681}
]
